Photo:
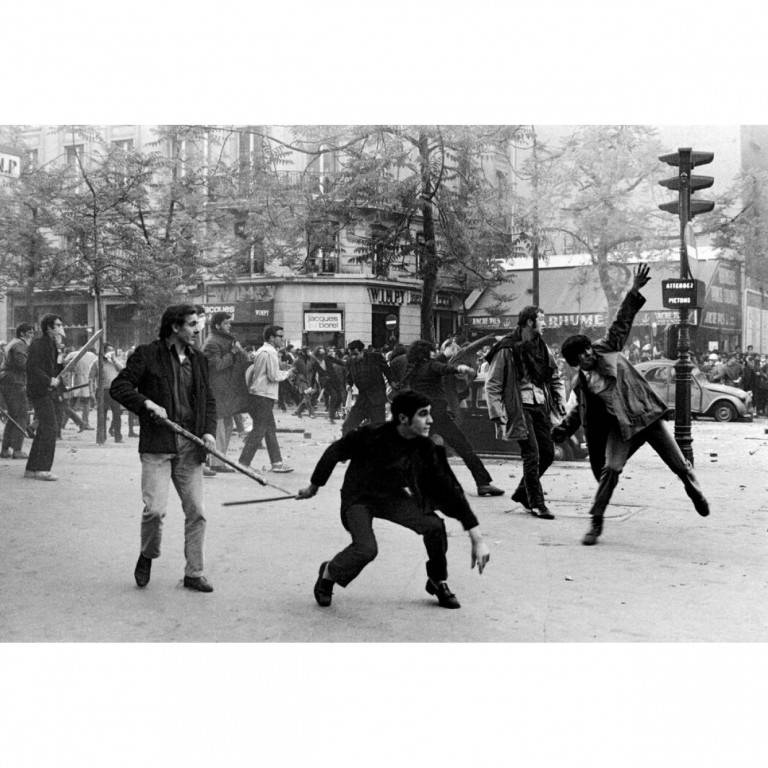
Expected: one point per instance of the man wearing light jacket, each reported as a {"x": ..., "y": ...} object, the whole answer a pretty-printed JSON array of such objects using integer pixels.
[
  {"x": 263, "y": 379},
  {"x": 524, "y": 389}
]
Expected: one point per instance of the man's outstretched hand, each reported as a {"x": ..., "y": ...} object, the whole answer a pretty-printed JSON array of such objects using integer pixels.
[
  {"x": 642, "y": 276},
  {"x": 308, "y": 492}
]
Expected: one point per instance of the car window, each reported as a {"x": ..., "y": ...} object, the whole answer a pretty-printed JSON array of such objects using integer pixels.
[{"x": 659, "y": 374}]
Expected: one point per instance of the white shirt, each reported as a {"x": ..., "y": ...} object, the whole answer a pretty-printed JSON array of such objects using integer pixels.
[{"x": 264, "y": 376}]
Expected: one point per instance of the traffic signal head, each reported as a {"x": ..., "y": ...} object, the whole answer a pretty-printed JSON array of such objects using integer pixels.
[{"x": 685, "y": 183}]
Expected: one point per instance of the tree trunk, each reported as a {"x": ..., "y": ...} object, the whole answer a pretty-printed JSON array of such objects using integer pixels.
[
  {"x": 614, "y": 288},
  {"x": 429, "y": 252}
]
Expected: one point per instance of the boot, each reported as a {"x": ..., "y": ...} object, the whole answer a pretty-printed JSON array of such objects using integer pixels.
[{"x": 591, "y": 536}]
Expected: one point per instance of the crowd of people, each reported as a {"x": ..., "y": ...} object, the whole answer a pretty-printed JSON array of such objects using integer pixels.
[{"x": 398, "y": 407}]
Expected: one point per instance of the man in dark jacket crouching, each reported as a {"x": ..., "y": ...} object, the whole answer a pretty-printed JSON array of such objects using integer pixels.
[
  {"x": 619, "y": 410},
  {"x": 398, "y": 474},
  {"x": 169, "y": 379}
]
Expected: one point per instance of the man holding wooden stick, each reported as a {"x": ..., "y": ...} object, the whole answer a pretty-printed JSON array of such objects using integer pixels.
[{"x": 168, "y": 379}]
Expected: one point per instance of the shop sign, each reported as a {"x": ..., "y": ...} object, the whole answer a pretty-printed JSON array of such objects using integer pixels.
[
  {"x": 386, "y": 295},
  {"x": 211, "y": 308},
  {"x": 323, "y": 321}
]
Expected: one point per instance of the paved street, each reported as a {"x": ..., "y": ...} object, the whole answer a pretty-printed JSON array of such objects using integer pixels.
[{"x": 660, "y": 572}]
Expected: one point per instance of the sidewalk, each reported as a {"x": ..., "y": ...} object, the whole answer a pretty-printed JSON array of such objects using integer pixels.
[{"x": 660, "y": 572}]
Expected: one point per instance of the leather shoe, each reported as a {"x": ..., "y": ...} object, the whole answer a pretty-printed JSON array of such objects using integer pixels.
[
  {"x": 443, "y": 593},
  {"x": 323, "y": 588},
  {"x": 208, "y": 472},
  {"x": 489, "y": 490},
  {"x": 7, "y": 454},
  {"x": 20, "y": 455},
  {"x": 222, "y": 468},
  {"x": 591, "y": 536},
  {"x": 543, "y": 512},
  {"x": 198, "y": 583},
  {"x": 141, "y": 572}
]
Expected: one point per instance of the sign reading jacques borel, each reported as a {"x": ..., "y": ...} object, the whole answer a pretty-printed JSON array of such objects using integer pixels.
[{"x": 322, "y": 321}]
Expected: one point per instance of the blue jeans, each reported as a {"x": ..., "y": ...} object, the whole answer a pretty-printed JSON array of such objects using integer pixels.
[{"x": 186, "y": 471}]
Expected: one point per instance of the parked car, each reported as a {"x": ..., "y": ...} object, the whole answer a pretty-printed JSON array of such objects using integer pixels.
[
  {"x": 480, "y": 431},
  {"x": 721, "y": 402}
]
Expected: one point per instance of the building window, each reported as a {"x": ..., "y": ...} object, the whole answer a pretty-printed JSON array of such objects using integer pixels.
[
  {"x": 73, "y": 151},
  {"x": 123, "y": 145},
  {"x": 31, "y": 158}
]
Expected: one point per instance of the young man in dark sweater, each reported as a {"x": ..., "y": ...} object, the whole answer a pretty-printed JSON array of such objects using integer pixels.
[{"x": 398, "y": 474}]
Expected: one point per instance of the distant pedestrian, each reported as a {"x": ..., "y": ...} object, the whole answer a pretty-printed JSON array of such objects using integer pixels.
[
  {"x": 525, "y": 394},
  {"x": 329, "y": 378},
  {"x": 43, "y": 367},
  {"x": 367, "y": 370},
  {"x": 619, "y": 410},
  {"x": 227, "y": 364},
  {"x": 13, "y": 384},
  {"x": 303, "y": 368},
  {"x": 395, "y": 473},
  {"x": 80, "y": 397},
  {"x": 110, "y": 367},
  {"x": 168, "y": 378},
  {"x": 425, "y": 375},
  {"x": 263, "y": 378}
]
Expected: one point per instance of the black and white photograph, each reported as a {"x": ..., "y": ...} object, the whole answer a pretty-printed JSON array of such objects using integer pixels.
[{"x": 322, "y": 410}]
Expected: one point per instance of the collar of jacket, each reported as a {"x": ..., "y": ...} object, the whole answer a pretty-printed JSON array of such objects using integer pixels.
[
  {"x": 513, "y": 338},
  {"x": 190, "y": 351}
]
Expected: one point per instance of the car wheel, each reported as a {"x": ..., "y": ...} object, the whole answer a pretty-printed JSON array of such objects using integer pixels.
[
  {"x": 563, "y": 452},
  {"x": 723, "y": 411}
]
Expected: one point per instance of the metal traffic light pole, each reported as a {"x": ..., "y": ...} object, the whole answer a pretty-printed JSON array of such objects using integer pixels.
[
  {"x": 685, "y": 159},
  {"x": 683, "y": 366}
]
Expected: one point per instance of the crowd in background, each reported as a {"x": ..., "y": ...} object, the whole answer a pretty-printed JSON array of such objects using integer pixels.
[{"x": 319, "y": 379}]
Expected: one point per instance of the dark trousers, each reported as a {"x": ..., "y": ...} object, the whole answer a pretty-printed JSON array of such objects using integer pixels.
[
  {"x": 618, "y": 451},
  {"x": 363, "y": 409},
  {"x": 537, "y": 452},
  {"x": 16, "y": 405},
  {"x": 261, "y": 411},
  {"x": 358, "y": 520},
  {"x": 444, "y": 425},
  {"x": 44, "y": 445},
  {"x": 112, "y": 406},
  {"x": 334, "y": 401}
]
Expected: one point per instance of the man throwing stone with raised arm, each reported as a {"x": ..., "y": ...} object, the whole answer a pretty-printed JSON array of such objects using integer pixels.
[
  {"x": 398, "y": 474},
  {"x": 168, "y": 379},
  {"x": 619, "y": 410}
]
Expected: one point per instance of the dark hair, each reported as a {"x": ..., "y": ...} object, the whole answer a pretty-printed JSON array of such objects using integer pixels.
[
  {"x": 219, "y": 317},
  {"x": 176, "y": 314},
  {"x": 573, "y": 346},
  {"x": 356, "y": 345},
  {"x": 407, "y": 402},
  {"x": 271, "y": 330},
  {"x": 418, "y": 353},
  {"x": 528, "y": 313},
  {"x": 47, "y": 321},
  {"x": 23, "y": 328}
]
